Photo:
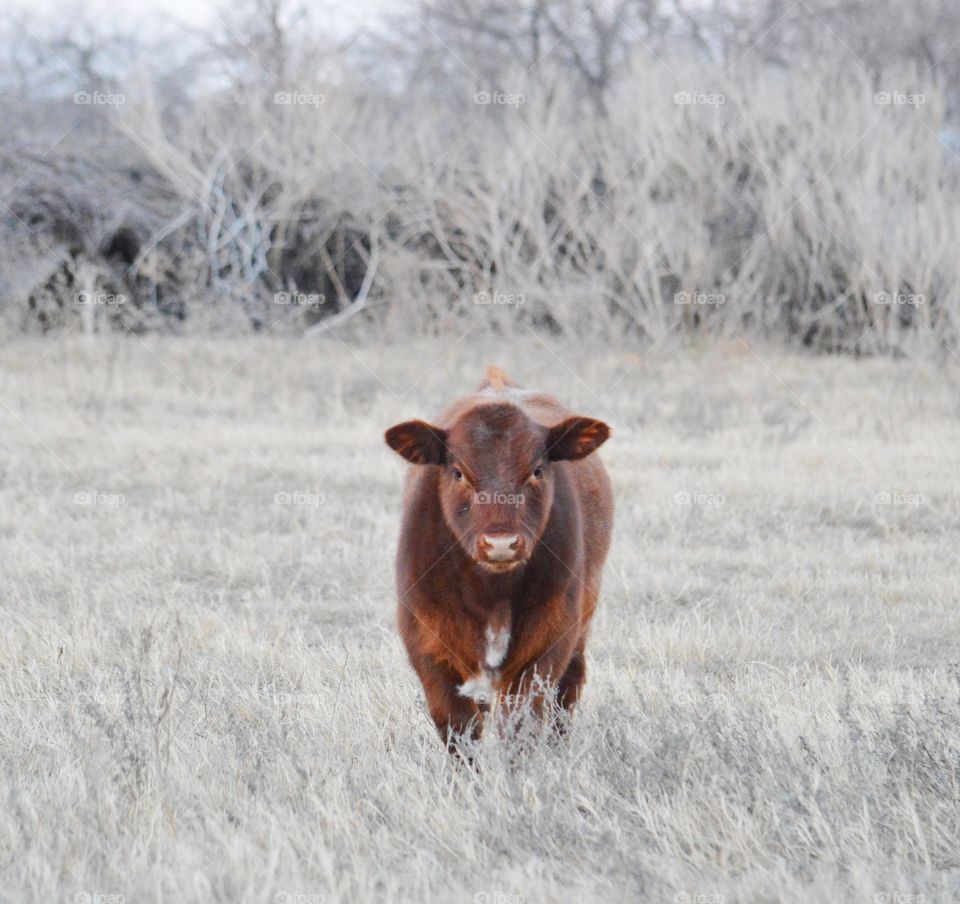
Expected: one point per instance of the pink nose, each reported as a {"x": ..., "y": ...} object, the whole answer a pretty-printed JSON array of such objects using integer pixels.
[{"x": 500, "y": 547}]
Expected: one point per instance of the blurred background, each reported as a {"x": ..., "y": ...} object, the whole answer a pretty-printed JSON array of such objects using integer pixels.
[{"x": 622, "y": 169}]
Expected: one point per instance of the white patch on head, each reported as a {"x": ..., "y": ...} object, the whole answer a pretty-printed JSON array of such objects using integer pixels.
[
  {"x": 497, "y": 643},
  {"x": 479, "y": 688}
]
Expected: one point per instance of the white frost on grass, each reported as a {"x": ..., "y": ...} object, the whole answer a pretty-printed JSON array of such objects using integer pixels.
[{"x": 202, "y": 693}]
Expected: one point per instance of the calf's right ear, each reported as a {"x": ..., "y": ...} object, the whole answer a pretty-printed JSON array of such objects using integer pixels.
[
  {"x": 576, "y": 438},
  {"x": 418, "y": 442}
]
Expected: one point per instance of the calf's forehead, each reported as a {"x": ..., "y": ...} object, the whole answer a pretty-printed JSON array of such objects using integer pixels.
[{"x": 496, "y": 437}]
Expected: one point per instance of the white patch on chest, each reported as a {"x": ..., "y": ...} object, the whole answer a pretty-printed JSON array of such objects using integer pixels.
[
  {"x": 480, "y": 687},
  {"x": 498, "y": 640}
]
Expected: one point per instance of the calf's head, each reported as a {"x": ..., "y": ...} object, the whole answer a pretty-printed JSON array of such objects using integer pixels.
[{"x": 497, "y": 473}]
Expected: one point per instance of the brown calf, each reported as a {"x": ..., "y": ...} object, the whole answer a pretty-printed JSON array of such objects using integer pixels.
[{"x": 506, "y": 526}]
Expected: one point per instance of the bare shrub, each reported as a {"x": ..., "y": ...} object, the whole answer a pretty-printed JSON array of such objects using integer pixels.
[{"x": 672, "y": 182}]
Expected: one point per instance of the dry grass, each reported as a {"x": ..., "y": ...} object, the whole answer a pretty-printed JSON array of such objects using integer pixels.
[{"x": 203, "y": 696}]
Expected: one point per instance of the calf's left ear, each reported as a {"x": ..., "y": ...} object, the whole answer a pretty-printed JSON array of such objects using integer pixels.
[
  {"x": 418, "y": 442},
  {"x": 576, "y": 438}
]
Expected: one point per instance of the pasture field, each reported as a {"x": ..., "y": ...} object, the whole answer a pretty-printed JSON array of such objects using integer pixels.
[{"x": 203, "y": 695}]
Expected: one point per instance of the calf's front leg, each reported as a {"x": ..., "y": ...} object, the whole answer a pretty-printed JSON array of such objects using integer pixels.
[
  {"x": 543, "y": 672},
  {"x": 452, "y": 713}
]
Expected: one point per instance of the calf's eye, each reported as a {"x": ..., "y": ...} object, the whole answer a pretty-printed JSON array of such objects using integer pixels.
[
  {"x": 457, "y": 474},
  {"x": 538, "y": 472}
]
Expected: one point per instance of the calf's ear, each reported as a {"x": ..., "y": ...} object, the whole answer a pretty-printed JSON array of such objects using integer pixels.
[
  {"x": 418, "y": 442},
  {"x": 576, "y": 438}
]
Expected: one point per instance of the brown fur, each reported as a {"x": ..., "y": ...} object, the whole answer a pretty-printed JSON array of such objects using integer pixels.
[{"x": 502, "y": 462}]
